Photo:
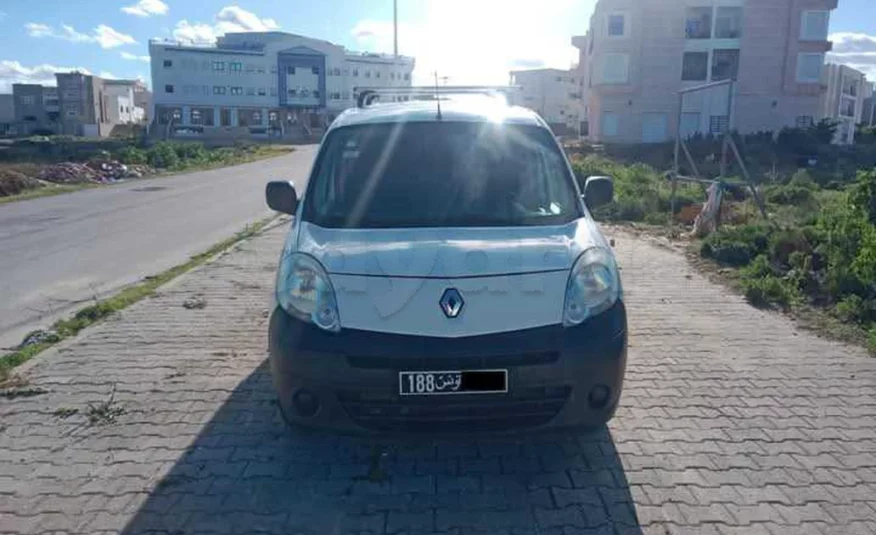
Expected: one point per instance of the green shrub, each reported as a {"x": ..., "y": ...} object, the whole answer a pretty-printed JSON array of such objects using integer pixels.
[
  {"x": 132, "y": 156},
  {"x": 163, "y": 155},
  {"x": 758, "y": 268},
  {"x": 851, "y": 308},
  {"x": 788, "y": 195},
  {"x": 786, "y": 242},
  {"x": 191, "y": 152},
  {"x": 803, "y": 179},
  {"x": 871, "y": 340},
  {"x": 770, "y": 290},
  {"x": 736, "y": 246}
]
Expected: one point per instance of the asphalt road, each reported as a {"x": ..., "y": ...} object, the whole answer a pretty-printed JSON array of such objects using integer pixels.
[{"x": 57, "y": 253}]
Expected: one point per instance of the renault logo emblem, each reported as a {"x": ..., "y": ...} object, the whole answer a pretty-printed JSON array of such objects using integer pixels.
[{"x": 451, "y": 302}]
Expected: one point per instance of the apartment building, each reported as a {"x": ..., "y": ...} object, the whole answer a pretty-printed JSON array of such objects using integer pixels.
[
  {"x": 555, "y": 94},
  {"x": 638, "y": 55},
  {"x": 843, "y": 100},
  {"x": 80, "y": 105},
  {"x": 262, "y": 83}
]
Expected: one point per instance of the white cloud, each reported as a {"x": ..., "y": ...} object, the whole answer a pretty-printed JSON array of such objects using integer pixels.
[
  {"x": 857, "y": 50},
  {"x": 103, "y": 35},
  {"x": 134, "y": 57},
  {"x": 483, "y": 46},
  {"x": 106, "y": 75},
  {"x": 146, "y": 8},
  {"x": 228, "y": 19},
  {"x": 35, "y": 29},
  {"x": 13, "y": 72},
  {"x": 110, "y": 38}
]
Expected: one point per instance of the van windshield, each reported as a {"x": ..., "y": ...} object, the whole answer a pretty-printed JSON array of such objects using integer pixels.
[{"x": 441, "y": 174}]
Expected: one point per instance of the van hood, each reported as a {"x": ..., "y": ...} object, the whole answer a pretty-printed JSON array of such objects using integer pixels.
[{"x": 448, "y": 252}]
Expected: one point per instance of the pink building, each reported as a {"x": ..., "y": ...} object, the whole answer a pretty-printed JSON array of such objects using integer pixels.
[{"x": 639, "y": 54}]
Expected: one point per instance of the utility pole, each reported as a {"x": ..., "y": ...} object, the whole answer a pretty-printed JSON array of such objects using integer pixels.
[{"x": 395, "y": 27}]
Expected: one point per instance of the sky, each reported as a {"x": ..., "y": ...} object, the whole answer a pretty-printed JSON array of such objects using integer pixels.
[{"x": 468, "y": 41}]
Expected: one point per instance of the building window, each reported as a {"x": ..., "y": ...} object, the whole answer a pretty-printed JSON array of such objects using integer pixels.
[
  {"x": 314, "y": 70},
  {"x": 695, "y": 67},
  {"x": 235, "y": 66},
  {"x": 236, "y": 90},
  {"x": 218, "y": 65},
  {"x": 377, "y": 74},
  {"x": 725, "y": 65},
  {"x": 250, "y": 91},
  {"x": 805, "y": 121},
  {"x": 655, "y": 128},
  {"x": 290, "y": 70},
  {"x": 293, "y": 93},
  {"x": 257, "y": 116},
  {"x": 392, "y": 76},
  {"x": 367, "y": 74},
  {"x": 719, "y": 124},
  {"x": 218, "y": 89},
  {"x": 809, "y": 68},
  {"x": 355, "y": 73},
  {"x": 728, "y": 23},
  {"x": 168, "y": 63},
  {"x": 315, "y": 94},
  {"x": 337, "y": 71},
  {"x": 698, "y": 23},
  {"x": 168, "y": 88},
  {"x": 616, "y": 69},
  {"x": 196, "y": 117},
  {"x": 72, "y": 112},
  {"x": 407, "y": 76},
  {"x": 262, "y": 91},
  {"x": 850, "y": 87},
  {"x": 814, "y": 25},
  {"x": 610, "y": 124},
  {"x": 28, "y": 100},
  {"x": 273, "y": 69},
  {"x": 616, "y": 25}
]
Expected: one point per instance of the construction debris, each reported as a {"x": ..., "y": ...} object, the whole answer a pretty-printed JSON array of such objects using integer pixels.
[
  {"x": 13, "y": 182},
  {"x": 104, "y": 171}
]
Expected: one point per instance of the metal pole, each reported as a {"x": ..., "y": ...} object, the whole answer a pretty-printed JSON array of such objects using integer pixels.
[
  {"x": 676, "y": 169},
  {"x": 395, "y": 27}
]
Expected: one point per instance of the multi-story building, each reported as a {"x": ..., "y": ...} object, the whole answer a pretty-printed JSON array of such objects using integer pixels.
[
  {"x": 30, "y": 112},
  {"x": 843, "y": 101},
  {"x": 122, "y": 103},
  {"x": 7, "y": 114},
  {"x": 257, "y": 83},
  {"x": 639, "y": 54},
  {"x": 554, "y": 93},
  {"x": 84, "y": 110}
]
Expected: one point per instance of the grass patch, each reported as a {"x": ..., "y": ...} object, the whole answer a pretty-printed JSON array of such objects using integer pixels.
[
  {"x": 66, "y": 328},
  {"x": 47, "y": 191}
]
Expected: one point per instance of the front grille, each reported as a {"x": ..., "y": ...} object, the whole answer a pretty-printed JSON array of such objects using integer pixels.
[
  {"x": 529, "y": 407},
  {"x": 453, "y": 362}
]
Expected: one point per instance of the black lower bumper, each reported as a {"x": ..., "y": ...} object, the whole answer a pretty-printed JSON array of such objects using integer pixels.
[{"x": 557, "y": 377}]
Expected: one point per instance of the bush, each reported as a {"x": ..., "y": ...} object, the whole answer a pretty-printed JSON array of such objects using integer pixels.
[
  {"x": 788, "y": 195},
  {"x": 736, "y": 246},
  {"x": 803, "y": 179},
  {"x": 871, "y": 340},
  {"x": 770, "y": 290},
  {"x": 784, "y": 243},
  {"x": 191, "y": 152},
  {"x": 132, "y": 156},
  {"x": 851, "y": 308},
  {"x": 163, "y": 155}
]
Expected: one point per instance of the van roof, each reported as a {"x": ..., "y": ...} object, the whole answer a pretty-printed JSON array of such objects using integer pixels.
[{"x": 469, "y": 108}]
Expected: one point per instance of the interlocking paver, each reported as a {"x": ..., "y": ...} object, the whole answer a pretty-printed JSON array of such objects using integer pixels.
[{"x": 732, "y": 421}]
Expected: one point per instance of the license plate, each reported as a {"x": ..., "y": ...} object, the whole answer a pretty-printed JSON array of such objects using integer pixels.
[{"x": 453, "y": 382}]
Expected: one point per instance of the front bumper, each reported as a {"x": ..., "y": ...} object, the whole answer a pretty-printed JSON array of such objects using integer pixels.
[{"x": 349, "y": 380}]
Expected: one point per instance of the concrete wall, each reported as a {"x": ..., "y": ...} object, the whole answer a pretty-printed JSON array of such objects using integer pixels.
[{"x": 551, "y": 93}]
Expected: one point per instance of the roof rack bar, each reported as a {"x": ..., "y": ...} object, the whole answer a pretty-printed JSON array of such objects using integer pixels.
[{"x": 369, "y": 95}]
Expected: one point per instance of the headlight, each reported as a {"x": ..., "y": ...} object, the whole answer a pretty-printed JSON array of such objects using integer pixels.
[
  {"x": 593, "y": 286},
  {"x": 305, "y": 291}
]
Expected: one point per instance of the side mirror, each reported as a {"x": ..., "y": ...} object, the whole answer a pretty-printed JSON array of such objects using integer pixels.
[
  {"x": 281, "y": 197},
  {"x": 598, "y": 191}
]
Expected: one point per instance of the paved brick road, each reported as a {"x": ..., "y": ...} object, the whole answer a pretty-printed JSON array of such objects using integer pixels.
[{"x": 731, "y": 422}]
